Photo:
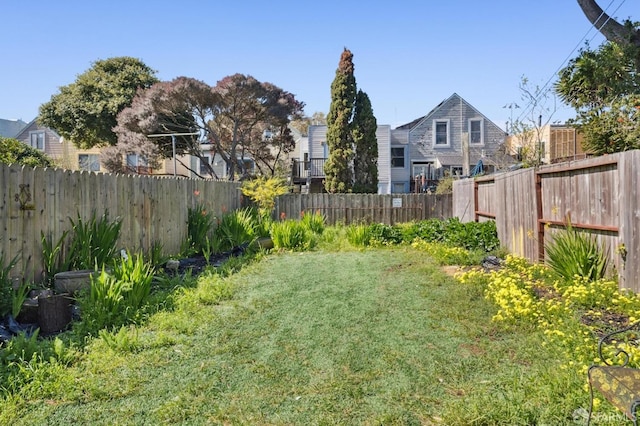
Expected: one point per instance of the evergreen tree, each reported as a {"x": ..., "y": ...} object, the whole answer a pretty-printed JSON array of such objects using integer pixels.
[
  {"x": 338, "y": 172},
  {"x": 365, "y": 161}
]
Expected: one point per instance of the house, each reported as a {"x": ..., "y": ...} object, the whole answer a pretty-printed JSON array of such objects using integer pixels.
[
  {"x": 553, "y": 143},
  {"x": 63, "y": 152},
  {"x": 10, "y": 128},
  {"x": 416, "y": 155},
  {"x": 308, "y": 173},
  {"x": 432, "y": 147}
]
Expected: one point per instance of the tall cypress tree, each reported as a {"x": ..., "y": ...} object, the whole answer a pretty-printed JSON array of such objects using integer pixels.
[
  {"x": 365, "y": 161},
  {"x": 337, "y": 169}
]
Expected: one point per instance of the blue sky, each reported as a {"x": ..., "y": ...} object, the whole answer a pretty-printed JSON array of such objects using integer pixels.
[{"x": 408, "y": 55}]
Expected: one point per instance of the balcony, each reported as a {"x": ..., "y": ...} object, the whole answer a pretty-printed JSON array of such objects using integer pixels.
[{"x": 303, "y": 171}]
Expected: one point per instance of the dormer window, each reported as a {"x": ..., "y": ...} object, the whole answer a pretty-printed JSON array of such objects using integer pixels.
[{"x": 37, "y": 140}]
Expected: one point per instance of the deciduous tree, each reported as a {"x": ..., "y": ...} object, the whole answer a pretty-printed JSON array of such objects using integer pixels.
[
  {"x": 233, "y": 118},
  {"x": 85, "y": 111}
]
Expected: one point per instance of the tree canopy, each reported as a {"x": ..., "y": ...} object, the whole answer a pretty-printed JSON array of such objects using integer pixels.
[
  {"x": 238, "y": 118},
  {"x": 13, "y": 151},
  {"x": 365, "y": 161},
  {"x": 337, "y": 168},
  {"x": 603, "y": 86},
  {"x": 85, "y": 111}
]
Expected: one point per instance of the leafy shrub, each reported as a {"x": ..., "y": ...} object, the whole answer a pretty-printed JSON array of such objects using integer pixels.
[
  {"x": 572, "y": 253},
  {"x": 384, "y": 234},
  {"x": 263, "y": 191},
  {"x": 292, "y": 235}
]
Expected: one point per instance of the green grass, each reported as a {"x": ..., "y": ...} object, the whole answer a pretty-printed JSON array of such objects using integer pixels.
[{"x": 355, "y": 337}]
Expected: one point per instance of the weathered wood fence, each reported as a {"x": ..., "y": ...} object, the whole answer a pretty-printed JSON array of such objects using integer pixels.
[
  {"x": 152, "y": 209},
  {"x": 598, "y": 195},
  {"x": 366, "y": 208}
]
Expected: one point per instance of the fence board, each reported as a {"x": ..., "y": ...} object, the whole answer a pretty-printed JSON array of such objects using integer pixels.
[
  {"x": 152, "y": 209},
  {"x": 599, "y": 195},
  {"x": 367, "y": 208}
]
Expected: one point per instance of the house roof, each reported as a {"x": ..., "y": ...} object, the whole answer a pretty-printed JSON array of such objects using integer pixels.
[
  {"x": 11, "y": 128},
  {"x": 37, "y": 126},
  {"x": 417, "y": 121}
]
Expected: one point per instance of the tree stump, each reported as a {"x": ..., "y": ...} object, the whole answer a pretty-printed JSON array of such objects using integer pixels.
[{"x": 54, "y": 313}]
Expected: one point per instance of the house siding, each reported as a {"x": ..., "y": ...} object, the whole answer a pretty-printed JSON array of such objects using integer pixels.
[
  {"x": 383, "y": 135},
  {"x": 458, "y": 113}
]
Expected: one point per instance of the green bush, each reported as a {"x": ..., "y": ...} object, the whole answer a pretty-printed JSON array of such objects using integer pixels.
[{"x": 385, "y": 234}]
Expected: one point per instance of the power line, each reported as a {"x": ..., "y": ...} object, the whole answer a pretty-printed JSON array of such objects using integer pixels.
[{"x": 527, "y": 108}]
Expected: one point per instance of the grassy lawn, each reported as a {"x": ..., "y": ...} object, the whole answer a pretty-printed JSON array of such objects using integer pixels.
[{"x": 381, "y": 336}]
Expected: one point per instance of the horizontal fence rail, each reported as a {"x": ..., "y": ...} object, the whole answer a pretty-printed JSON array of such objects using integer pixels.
[
  {"x": 365, "y": 208},
  {"x": 153, "y": 209}
]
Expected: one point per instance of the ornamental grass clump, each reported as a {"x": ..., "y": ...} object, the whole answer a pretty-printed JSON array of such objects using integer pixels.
[
  {"x": 359, "y": 235},
  {"x": 116, "y": 298},
  {"x": 572, "y": 253},
  {"x": 315, "y": 222},
  {"x": 292, "y": 235},
  {"x": 93, "y": 242},
  {"x": 236, "y": 228},
  {"x": 200, "y": 223}
]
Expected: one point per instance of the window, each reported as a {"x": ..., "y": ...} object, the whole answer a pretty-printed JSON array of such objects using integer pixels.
[
  {"x": 424, "y": 169},
  {"x": 204, "y": 161},
  {"x": 398, "y": 188},
  {"x": 440, "y": 133},
  {"x": 476, "y": 132},
  {"x": 397, "y": 157},
  {"x": 137, "y": 163},
  {"x": 456, "y": 171},
  {"x": 37, "y": 140},
  {"x": 89, "y": 162}
]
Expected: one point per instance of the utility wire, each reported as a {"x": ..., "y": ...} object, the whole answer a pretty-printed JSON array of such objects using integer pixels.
[{"x": 534, "y": 101}]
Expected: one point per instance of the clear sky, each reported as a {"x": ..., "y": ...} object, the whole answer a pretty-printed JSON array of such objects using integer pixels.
[{"x": 408, "y": 55}]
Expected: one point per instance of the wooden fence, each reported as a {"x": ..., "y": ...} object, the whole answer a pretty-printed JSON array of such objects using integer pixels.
[
  {"x": 152, "y": 209},
  {"x": 367, "y": 208},
  {"x": 598, "y": 196}
]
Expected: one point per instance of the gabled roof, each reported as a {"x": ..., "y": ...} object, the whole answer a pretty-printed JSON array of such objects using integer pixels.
[
  {"x": 11, "y": 128},
  {"x": 410, "y": 126},
  {"x": 28, "y": 126}
]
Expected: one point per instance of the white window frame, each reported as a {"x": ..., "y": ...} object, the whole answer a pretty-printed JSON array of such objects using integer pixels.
[
  {"x": 404, "y": 156},
  {"x": 38, "y": 133},
  {"x": 481, "y": 142},
  {"x": 435, "y": 127}
]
